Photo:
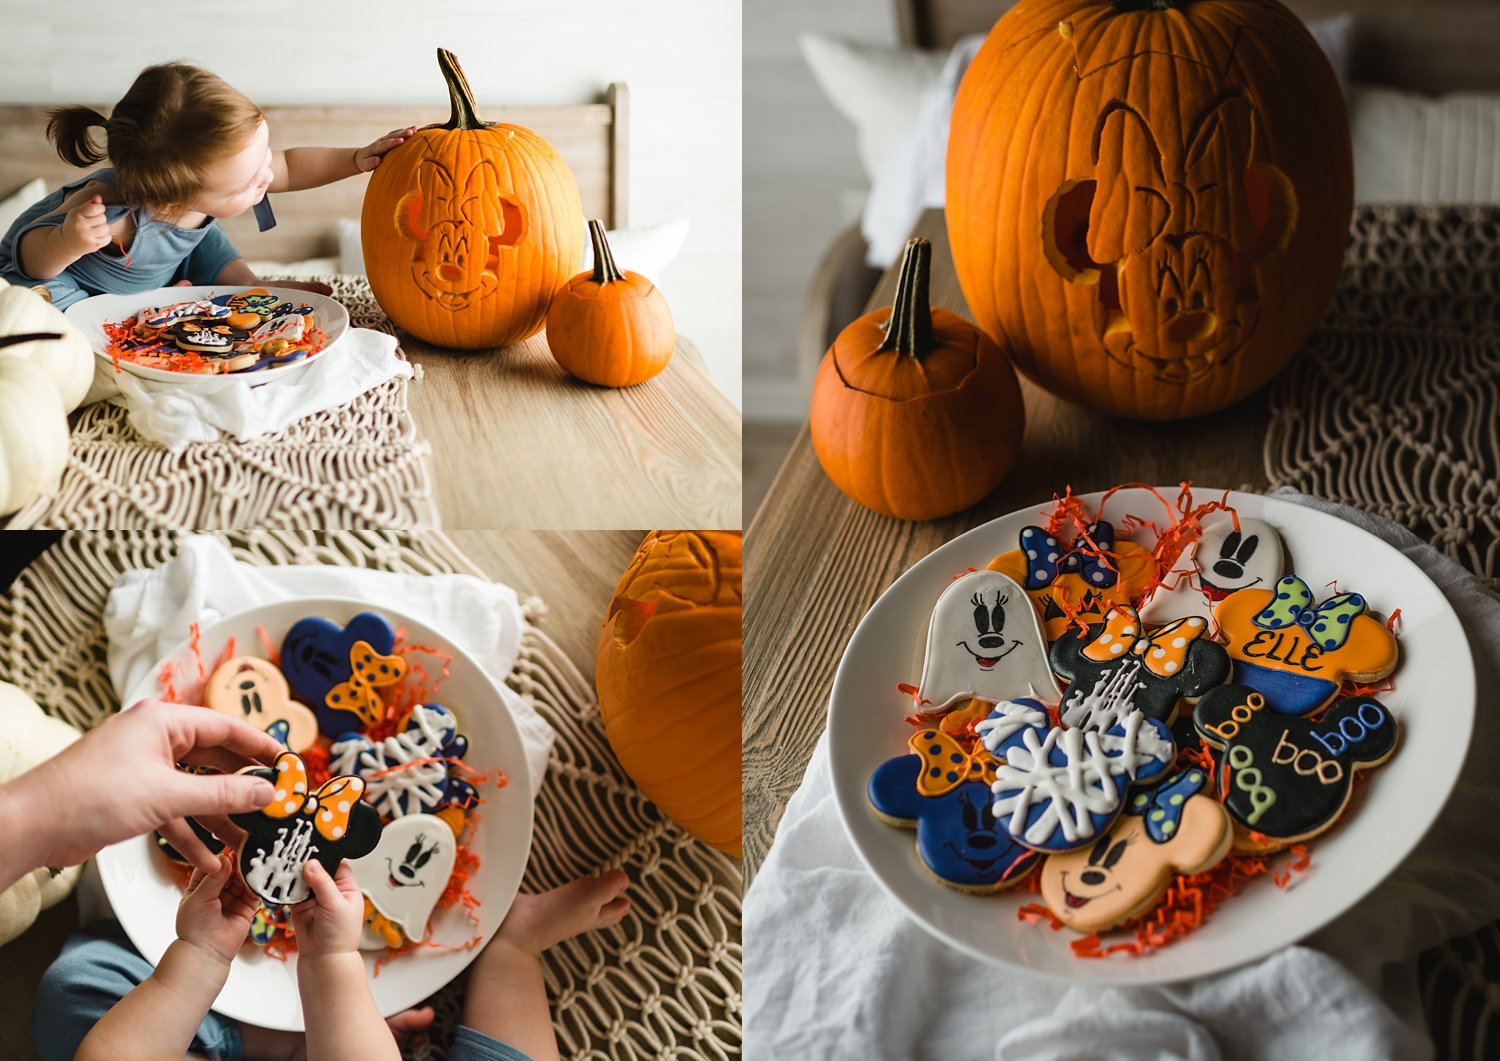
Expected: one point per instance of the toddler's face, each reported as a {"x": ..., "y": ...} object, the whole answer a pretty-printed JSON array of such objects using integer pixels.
[{"x": 236, "y": 183}]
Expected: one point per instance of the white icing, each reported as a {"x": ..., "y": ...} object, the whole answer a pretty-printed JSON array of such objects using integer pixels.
[
  {"x": 1187, "y": 597},
  {"x": 1007, "y": 718},
  {"x": 951, "y": 671},
  {"x": 277, "y": 877},
  {"x": 407, "y": 872},
  {"x": 1111, "y": 698},
  {"x": 423, "y": 785}
]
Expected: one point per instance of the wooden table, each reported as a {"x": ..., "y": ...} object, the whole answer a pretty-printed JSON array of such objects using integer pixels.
[
  {"x": 517, "y": 442},
  {"x": 815, "y": 561}
]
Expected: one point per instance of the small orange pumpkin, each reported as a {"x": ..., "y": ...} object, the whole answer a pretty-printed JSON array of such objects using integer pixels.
[
  {"x": 469, "y": 228},
  {"x": 668, "y": 675},
  {"x": 610, "y": 327},
  {"x": 916, "y": 413}
]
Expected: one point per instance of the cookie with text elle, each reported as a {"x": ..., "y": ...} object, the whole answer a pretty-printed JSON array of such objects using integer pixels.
[
  {"x": 1225, "y": 560},
  {"x": 1287, "y": 777},
  {"x": 1085, "y": 578},
  {"x": 1297, "y": 652},
  {"x": 984, "y": 643}
]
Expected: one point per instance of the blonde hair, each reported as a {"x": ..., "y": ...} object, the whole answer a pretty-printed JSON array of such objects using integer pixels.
[{"x": 174, "y": 122}]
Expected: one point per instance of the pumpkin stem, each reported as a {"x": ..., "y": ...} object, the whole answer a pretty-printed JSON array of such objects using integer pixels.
[
  {"x": 1151, "y": 5},
  {"x": 461, "y": 96},
  {"x": 605, "y": 271},
  {"x": 909, "y": 329},
  {"x": 29, "y": 337}
]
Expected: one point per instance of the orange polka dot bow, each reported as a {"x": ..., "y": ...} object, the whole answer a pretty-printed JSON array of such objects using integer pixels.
[
  {"x": 945, "y": 765},
  {"x": 329, "y": 806},
  {"x": 1163, "y": 652},
  {"x": 369, "y": 670}
]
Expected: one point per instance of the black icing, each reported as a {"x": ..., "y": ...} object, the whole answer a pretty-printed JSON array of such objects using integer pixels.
[{"x": 1205, "y": 666}]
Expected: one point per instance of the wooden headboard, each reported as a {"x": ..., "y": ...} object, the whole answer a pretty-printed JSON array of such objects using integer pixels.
[
  {"x": 1436, "y": 46},
  {"x": 593, "y": 137}
]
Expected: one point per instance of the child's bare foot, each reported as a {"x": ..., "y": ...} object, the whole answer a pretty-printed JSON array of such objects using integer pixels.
[{"x": 536, "y": 922}]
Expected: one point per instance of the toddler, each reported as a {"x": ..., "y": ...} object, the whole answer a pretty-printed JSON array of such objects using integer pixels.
[
  {"x": 166, "y": 1013},
  {"x": 185, "y": 149}
]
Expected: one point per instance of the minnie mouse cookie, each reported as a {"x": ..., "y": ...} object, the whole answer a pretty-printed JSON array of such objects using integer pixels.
[
  {"x": 254, "y": 690},
  {"x": 330, "y": 824},
  {"x": 1082, "y": 578},
  {"x": 1173, "y": 828},
  {"x": 1298, "y": 654},
  {"x": 1225, "y": 560},
  {"x": 336, "y": 670}
]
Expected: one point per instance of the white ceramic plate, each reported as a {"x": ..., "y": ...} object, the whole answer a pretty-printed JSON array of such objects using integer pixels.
[
  {"x": 262, "y": 990},
  {"x": 89, "y": 315},
  {"x": 1433, "y": 698}
]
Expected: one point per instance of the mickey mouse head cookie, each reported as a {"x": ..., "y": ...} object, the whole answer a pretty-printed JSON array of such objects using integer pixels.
[
  {"x": 1285, "y": 776},
  {"x": 1088, "y": 578},
  {"x": 254, "y": 690},
  {"x": 336, "y": 670},
  {"x": 1116, "y": 667},
  {"x": 1224, "y": 560},
  {"x": 1298, "y": 654}
]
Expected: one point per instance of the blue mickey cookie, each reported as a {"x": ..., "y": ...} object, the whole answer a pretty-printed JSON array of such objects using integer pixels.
[
  {"x": 325, "y": 672},
  {"x": 407, "y": 773}
]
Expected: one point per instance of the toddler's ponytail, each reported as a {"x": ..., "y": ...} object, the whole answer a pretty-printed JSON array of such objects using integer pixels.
[{"x": 68, "y": 128}]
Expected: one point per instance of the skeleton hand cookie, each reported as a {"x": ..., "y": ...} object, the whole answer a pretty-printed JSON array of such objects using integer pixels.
[
  {"x": 406, "y": 873},
  {"x": 336, "y": 670},
  {"x": 1223, "y": 561},
  {"x": 254, "y": 690},
  {"x": 406, "y": 773},
  {"x": 1087, "y": 578}
]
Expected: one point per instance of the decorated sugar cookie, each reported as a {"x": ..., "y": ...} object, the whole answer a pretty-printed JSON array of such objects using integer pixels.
[
  {"x": 984, "y": 642},
  {"x": 1285, "y": 776},
  {"x": 204, "y": 337},
  {"x": 945, "y": 793},
  {"x": 404, "y": 876},
  {"x": 330, "y": 825},
  {"x": 1169, "y": 829},
  {"x": 406, "y": 773},
  {"x": 1081, "y": 576},
  {"x": 1061, "y": 788},
  {"x": 1296, "y": 653},
  {"x": 336, "y": 670},
  {"x": 253, "y": 690},
  {"x": 267, "y": 923},
  {"x": 1116, "y": 667},
  {"x": 1223, "y": 561}
]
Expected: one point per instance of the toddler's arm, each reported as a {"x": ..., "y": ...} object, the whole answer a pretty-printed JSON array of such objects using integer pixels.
[
  {"x": 297, "y": 168},
  {"x": 160, "y": 1017},
  {"x": 342, "y": 1021},
  {"x": 45, "y": 252}
]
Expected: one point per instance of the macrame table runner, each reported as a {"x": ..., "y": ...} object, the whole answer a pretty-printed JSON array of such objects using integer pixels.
[
  {"x": 1394, "y": 407},
  {"x": 665, "y": 982},
  {"x": 360, "y": 464}
]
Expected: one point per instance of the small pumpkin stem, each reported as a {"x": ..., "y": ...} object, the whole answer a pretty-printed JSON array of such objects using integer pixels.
[
  {"x": 909, "y": 329},
  {"x": 460, "y": 95},
  {"x": 29, "y": 337},
  {"x": 1151, "y": 5},
  {"x": 605, "y": 271}
]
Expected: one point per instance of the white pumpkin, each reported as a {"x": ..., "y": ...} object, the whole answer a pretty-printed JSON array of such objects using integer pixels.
[
  {"x": 68, "y": 362},
  {"x": 33, "y": 434},
  {"x": 29, "y": 736}
]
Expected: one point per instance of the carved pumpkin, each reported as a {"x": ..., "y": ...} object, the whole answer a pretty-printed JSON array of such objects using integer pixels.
[
  {"x": 668, "y": 675},
  {"x": 915, "y": 412},
  {"x": 1148, "y": 200},
  {"x": 33, "y": 433},
  {"x": 56, "y": 346},
  {"x": 469, "y": 228},
  {"x": 610, "y": 327}
]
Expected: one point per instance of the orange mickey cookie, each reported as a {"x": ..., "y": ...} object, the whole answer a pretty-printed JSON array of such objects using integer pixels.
[
  {"x": 1088, "y": 579},
  {"x": 254, "y": 690},
  {"x": 1297, "y": 654},
  {"x": 1174, "y": 828}
]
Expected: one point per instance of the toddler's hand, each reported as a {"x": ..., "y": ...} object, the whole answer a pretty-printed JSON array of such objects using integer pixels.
[
  {"x": 329, "y": 922},
  {"x": 215, "y": 913},
  {"x": 368, "y": 157},
  {"x": 84, "y": 229}
]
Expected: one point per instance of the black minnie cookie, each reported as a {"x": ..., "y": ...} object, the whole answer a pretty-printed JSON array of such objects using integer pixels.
[
  {"x": 1284, "y": 776},
  {"x": 298, "y": 826},
  {"x": 1116, "y": 667},
  {"x": 204, "y": 337}
]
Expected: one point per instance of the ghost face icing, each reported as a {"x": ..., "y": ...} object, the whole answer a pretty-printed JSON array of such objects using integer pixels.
[
  {"x": 1224, "y": 561},
  {"x": 404, "y": 876},
  {"x": 984, "y": 642}
]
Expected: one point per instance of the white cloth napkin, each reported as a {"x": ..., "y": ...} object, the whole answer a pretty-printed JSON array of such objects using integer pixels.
[
  {"x": 197, "y": 409},
  {"x": 148, "y": 614},
  {"x": 834, "y": 968}
]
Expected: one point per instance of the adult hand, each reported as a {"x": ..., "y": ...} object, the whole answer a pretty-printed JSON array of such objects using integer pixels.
[{"x": 121, "y": 780}]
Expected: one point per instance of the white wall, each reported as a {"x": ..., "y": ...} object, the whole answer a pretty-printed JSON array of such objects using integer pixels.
[
  {"x": 681, "y": 59},
  {"x": 802, "y": 182}
]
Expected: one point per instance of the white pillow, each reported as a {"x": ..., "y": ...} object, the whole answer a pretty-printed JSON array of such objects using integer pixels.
[
  {"x": 15, "y": 204},
  {"x": 645, "y": 249},
  {"x": 1415, "y": 149}
]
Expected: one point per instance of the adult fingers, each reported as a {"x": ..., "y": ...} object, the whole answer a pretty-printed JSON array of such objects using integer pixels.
[
  {"x": 217, "y": 795},
  {"x": 193, "y": 728},
  {"x": 220, "y": 759},
  {"x": 181, "y": 836},
  {"x": 228, "y": 832}
]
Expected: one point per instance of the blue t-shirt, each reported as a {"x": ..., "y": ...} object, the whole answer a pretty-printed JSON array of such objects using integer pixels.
[{"x": 160, "y": 255}]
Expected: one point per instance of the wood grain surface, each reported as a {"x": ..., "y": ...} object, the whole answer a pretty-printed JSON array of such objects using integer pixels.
[
  {"x": 815, "y": 561},
  {"x": 517, "y": 442}
]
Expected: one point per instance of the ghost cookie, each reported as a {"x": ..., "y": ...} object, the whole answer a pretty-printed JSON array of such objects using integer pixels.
[
  {"x": 1062, "y": 788},
  {"x": 406, "y": 873},
  {"x": 1115, "y": 668},
  {"x": 1284, "y": 776},
  {"x": 1173, "y": 828},
  {"x": 945, "y": 793},
  {"x": 407, "y": 773},
  {"x": 1087, "y": 578},
  {"x": 253, "y": 690},
  {"x": 1298, "y": 654},
  {"x": 984, "y": 643},
  {"x": 1223, "y": 561},
  {"x": 298, "y": 825},
  {"x": 336, "y": 670}
]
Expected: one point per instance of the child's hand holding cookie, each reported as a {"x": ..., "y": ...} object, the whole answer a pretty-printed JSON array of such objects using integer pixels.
[
  {"x": 329, "y": 922},
  {"x": 216, "y": 911},
  {"x": 368, "y": 157}
]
